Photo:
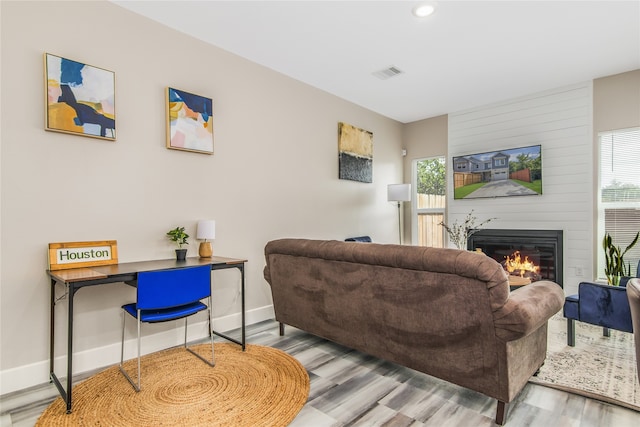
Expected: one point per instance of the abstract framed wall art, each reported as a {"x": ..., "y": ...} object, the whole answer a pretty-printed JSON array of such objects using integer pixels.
[
  {"x": 355, "y": 153},
  {"x": 80, "y": 98},
  {"x": 189, "y": 122}
]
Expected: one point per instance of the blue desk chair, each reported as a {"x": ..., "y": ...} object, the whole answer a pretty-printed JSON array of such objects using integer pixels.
[{"x": 169, "y": 295}]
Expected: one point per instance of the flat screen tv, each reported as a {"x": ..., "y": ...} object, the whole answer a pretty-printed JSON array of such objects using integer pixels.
[{"x": 503, "y": 173}]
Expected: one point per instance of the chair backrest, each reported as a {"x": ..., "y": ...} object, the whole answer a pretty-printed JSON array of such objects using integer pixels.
[
  {"x": 633, "y": 293},
  {"x": 172, "y": 288},
  {"x": 604, "y": 305}
]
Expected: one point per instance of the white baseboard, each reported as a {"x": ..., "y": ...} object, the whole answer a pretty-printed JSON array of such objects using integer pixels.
[{"x": 34, "y": 374}]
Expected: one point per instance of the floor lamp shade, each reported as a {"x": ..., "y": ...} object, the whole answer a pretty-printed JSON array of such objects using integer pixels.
[
  {"x": 206, "y": 231},
  {"x": 399, "y": 192}
]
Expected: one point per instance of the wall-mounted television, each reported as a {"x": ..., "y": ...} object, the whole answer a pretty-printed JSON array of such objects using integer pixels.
[{"x": 503, "y": 173}]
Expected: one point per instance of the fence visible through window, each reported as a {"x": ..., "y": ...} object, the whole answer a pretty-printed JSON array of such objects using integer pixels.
[
  {"x": 430, "y": 214},
  {"x": 431, "y": 201}
]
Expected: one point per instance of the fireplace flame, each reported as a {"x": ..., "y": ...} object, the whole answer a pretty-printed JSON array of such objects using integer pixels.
[{"x": 515, "y": 265}]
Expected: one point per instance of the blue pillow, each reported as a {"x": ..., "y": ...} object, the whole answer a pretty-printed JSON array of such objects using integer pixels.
[{"x": 358, "y": 239}]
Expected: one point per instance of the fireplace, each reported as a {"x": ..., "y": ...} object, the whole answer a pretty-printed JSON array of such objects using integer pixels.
[{"x": 527, "y": 255}]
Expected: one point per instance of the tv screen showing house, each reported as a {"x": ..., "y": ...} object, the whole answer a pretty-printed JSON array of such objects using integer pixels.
[{"x": 503, "y": 173}]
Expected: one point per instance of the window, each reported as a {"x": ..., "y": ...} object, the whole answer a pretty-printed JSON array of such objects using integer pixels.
[
  {"x": 430, "y": 179},
  {"x": 619, "y": 193}
]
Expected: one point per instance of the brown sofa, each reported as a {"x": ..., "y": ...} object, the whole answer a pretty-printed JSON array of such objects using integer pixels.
[{"x": 445, "y": 312}]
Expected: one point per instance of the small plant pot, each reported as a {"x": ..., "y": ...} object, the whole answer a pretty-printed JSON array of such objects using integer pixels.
[{"x": 181, "y": 254}]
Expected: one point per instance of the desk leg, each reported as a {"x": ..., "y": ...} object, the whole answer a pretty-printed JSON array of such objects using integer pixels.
[
  {"x": 243, "y": 340},
  {"x": 70, "y": 347},
  {"x": 52, "y": 319},
  {"x": 243, "y": 309},
  {"x": 66, "y": 394}
]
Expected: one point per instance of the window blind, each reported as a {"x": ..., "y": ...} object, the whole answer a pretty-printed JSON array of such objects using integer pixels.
[{"x": 619, "y": 200}]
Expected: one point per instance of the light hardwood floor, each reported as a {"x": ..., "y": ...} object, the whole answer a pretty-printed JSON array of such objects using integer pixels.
[{"x": 349, "y": 388}]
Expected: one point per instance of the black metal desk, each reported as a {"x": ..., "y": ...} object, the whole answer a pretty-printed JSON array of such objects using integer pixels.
[{"x": 75, "y": 279}]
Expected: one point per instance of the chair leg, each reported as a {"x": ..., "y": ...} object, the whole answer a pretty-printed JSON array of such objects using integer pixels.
[
  {"x": 210, "y": 330},
  {"x": 212, "y": 362},
  {"x": 135, "y": 386},
  {"x": 122, "y": 342},
  {"x": 281, "y": 329},
  {"x": 139, "y": 373},
  {"x": 606, "y": 332},
  {"x": 571, "y": 332}
]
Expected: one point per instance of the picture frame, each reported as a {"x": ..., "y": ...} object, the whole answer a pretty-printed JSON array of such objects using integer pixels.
[
  {"x": 189, "y": 121},
  {"x": 355, "y": 153},
  {"x": 79, "y": 98}
]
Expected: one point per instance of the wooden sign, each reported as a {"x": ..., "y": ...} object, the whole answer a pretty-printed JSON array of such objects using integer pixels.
[{"x": 63, "y": 256}]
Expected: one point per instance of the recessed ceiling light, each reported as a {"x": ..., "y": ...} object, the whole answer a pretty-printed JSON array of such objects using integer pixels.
[{"x": 423, "y": 10}]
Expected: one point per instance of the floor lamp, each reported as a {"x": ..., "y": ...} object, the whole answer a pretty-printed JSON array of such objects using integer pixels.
[{"x": 399, "y": 193}]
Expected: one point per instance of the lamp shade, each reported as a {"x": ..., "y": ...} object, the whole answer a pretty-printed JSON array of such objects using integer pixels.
[
  {"x": 399, "y": 192},
  {"x": 206, "y": 230}
]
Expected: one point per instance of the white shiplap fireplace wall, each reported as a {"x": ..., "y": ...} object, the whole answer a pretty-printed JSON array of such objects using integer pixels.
[{"x": 560, "y": 121}]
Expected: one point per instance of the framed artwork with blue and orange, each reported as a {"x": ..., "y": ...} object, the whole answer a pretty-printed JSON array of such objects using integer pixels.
[
  {"x": 189, "y": 122},
  {"x": 80, "y": 98}
]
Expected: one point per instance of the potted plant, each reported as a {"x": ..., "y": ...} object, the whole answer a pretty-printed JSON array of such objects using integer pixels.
[
  {"x": 615, "y": 268},
  {"x": 179, "y": 236}
]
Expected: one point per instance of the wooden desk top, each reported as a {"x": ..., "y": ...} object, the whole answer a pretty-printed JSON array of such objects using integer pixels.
[
  {"x": 77, "y": 275},
  {"x": 131, "y": 268}
]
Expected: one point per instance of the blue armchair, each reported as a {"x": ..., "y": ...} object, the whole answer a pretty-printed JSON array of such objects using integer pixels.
[
  {"x": 597, "y": 304},
  {"x": 601, "y": 305}
]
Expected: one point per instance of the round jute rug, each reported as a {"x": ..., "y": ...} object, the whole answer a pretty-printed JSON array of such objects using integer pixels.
[{"x": 261, "y": 386}]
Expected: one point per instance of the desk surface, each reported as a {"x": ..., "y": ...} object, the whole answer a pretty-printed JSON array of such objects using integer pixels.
[{"x": 129, "y": 268}]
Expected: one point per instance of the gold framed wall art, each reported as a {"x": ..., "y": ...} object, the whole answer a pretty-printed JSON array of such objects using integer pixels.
[
  {"x": 189, "y": 121},
  {"x": 80, "y": 98}
]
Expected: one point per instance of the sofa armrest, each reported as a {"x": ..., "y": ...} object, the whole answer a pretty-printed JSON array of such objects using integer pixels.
[{"x": 527, "y": 308}]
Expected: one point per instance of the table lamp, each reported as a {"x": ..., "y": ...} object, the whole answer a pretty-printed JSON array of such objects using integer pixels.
[
  {"x": 206, "y": 230},
  {"x": 399, "y": 193}
]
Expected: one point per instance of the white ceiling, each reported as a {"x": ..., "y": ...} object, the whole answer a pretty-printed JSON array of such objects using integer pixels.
[{"x": 467, "y": 54}]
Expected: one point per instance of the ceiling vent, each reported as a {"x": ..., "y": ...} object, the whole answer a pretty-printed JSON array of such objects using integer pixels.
[{"x": 387, "y": 73}]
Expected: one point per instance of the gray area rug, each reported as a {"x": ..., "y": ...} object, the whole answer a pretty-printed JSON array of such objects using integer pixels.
[{"x": 598, "y": 367}]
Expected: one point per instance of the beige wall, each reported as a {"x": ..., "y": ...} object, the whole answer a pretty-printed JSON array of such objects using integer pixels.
[
  {"x": 274, "y": 172},
  {"x": 422, "y": 139},
  {"x": 616, "y": 102}
]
